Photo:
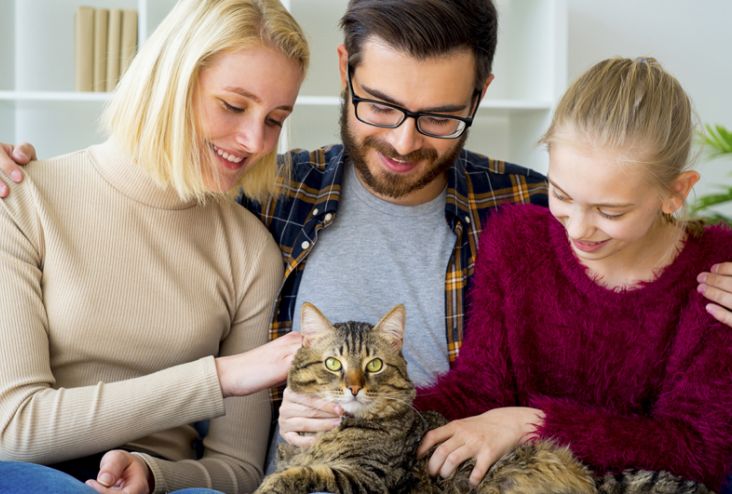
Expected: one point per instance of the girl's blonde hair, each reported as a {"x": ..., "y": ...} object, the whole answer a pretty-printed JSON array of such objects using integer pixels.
[
  {"x": 631, "y": 106},
  {"x": 151, "y": 112}
]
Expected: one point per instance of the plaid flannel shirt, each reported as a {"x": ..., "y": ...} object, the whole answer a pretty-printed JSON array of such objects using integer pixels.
[{"x": 309, "y": 199}]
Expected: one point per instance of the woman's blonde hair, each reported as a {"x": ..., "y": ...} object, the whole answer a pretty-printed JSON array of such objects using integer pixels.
[
  {"x": 151, "y": 111},
  {"x": 631, "y": 106}
]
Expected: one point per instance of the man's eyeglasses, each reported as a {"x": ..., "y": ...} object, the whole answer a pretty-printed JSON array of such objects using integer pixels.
[{"x": 390, "y": 116}]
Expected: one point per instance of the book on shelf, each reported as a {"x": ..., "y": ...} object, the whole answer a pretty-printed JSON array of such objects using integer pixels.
[
  {"x": 101, "y": 25},
  {"x": 128, "y": 45},
  {"x": 114, "y": 40},
  {"x": 84, "y": 48},
  {"x": 105, "y": 43}
]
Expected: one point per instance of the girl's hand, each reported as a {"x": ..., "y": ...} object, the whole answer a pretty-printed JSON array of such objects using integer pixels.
[
  {"x": 485, "y": 438},
  {"x": 122, "y": 472},
  {"x": 258, "y": 369},
  {"x": 717, "y": 287}
]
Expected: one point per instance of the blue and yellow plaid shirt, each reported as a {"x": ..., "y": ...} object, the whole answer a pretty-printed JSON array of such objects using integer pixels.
[{"x": 309, "y": 199}]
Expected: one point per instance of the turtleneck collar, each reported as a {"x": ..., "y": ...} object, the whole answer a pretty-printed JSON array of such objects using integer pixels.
[{"x": 115, "y": 165}]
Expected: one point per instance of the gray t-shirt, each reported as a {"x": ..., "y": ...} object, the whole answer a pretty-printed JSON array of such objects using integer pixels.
[{"x": 376, "y": 255}]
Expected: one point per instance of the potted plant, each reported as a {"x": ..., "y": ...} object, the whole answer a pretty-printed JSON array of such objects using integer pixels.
[{"x": 717, "y": 142}]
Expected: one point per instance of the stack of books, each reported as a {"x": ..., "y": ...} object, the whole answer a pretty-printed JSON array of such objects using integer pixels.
[{"x": 106, "y": 42}]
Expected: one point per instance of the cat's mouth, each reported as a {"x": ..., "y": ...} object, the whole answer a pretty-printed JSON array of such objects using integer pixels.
[{"x": 354, "y": 405}]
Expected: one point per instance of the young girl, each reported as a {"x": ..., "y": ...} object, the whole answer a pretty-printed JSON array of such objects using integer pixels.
[{"x": 585, "y": 321}]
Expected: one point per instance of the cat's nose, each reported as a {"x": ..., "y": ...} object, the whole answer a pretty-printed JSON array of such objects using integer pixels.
[
  {"x": 354, "y": 389},
  {"x": 354, "y": 381}
]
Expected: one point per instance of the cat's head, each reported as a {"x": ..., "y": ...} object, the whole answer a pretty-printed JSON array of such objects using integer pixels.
[{"x": 357, "y": 365}]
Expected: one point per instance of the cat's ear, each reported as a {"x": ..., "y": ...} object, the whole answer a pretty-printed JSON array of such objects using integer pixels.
[
  {"x": 392, "y": 325},
  {"x": 313, "y": 323}
]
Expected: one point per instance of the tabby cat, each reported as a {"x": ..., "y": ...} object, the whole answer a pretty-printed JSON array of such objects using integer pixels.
[{"x": 361, "y": 367}]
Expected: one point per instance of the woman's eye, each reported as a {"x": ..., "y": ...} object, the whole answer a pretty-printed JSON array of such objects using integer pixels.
[
  {"x": 375, "y": 365},
  {"x": 232, "y": 108},
  {"x": 333, "y": 364}
]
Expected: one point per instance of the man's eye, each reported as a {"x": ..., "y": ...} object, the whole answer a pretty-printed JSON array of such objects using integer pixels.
[{"x": 380, "y": 108}]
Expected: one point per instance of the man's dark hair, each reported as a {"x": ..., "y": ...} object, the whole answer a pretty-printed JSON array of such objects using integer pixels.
[{"x": 425, "y": 28}]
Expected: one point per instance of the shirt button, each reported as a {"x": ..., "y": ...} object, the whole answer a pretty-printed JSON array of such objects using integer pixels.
[
  {"x": 305, "y": 245},
  {"x": 315, "y": 212},
  {"x": 328, "y": 217},
  {"x": 467, "y": 219}
]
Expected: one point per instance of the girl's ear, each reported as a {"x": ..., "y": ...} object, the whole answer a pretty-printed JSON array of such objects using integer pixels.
[
  {"x": 680, "y": 189},
  {"x": 313, "y": 324}
]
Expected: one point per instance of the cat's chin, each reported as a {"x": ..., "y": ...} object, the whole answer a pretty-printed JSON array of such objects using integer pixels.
[{"x": 354, "y": 408}]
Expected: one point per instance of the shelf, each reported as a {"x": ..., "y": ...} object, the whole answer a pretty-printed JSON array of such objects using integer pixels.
[
  {"x": 52, "y": 96},
  {"x": 37, "y": 97}
]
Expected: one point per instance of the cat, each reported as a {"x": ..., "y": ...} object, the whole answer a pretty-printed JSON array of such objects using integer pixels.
[{"x": 360, "y": 366}]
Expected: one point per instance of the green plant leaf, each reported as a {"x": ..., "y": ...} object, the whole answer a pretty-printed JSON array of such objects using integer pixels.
[{"x": 717, "y": 139}]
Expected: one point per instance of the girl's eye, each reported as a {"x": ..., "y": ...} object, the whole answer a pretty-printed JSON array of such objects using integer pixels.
[
  {"x": 375, "y": 365},
  {"x": 609, "y": 216},
  {"x": 558, "y": 195},
  {"x": 333, "y": 364}
]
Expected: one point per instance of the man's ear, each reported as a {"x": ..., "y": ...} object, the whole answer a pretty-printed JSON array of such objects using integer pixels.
[
  {"x": 485, "y": 86},
  {"x": 343, "y": 65},
  {"x": 680, "y": 189}
]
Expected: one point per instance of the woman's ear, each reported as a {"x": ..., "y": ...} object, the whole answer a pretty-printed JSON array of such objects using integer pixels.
[{"x": 680, "y": 189}]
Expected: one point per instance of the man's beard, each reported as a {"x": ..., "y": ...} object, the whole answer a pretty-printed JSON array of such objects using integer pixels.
[{"x": 391, "y": 184}]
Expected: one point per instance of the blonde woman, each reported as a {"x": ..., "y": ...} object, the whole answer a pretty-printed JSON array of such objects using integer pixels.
[
  {"x": 135, "y": 291},
  {"x": 598, "y": 338}
]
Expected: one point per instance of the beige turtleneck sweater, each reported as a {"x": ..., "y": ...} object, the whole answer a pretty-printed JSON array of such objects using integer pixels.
[{"x": 114, "y": 297}]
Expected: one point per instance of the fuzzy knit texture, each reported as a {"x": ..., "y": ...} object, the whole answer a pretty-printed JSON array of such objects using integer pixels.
[
  {"x": 627, "y": 378},
  {"x": 116, "y": 295}
]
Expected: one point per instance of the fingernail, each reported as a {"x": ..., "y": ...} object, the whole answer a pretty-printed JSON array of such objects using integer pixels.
[
  {"x": 715, "y": 268},
  {"x": 709, "y": 308},
  {"x": 702, "y": 277},
  {"x": 700, "y": 289},
  {"x": 20, "y": 155},
  {"x": 105, "y": 479},
  {"x": 3, "y": 190},
  {"x": 16, "y": 176}
]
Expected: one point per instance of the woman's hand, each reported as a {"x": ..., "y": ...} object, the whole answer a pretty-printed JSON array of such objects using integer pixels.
[
  {"x": 301, "y": 413},
  {"x": 485, "y": 438},
  {"x": 10, "y": 157},
  {"x": 122, "y": 472},
  {"x": 258, "y": 369},
  {"x": 716, "y": 285}
]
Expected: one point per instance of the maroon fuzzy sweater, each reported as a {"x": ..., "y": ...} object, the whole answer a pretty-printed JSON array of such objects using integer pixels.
[{"x": 636, "y": 378}]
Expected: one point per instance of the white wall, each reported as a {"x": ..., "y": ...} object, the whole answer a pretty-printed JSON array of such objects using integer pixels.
[{"x": 691, "y": 38}]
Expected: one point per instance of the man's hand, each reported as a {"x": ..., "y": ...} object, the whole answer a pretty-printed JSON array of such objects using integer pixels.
[
  {"x": 303, "y": 413},
  {"x": 716, "y": 285},
  {"x": 10, "y": 157},
  {"x": 485, "y": 438},
  {"x": 258, "y": 369},
  {"x": 122, "y": 472}
]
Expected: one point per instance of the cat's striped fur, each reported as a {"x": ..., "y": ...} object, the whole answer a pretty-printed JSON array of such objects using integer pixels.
[{"x": 373, "y": 450}]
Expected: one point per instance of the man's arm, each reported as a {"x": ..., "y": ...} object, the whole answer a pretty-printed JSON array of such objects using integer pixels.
[{"x": 10, "y": 159}]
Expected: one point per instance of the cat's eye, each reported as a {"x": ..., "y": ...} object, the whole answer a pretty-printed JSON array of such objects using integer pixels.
[
  {"x": 333, "y": 364},
  {"x": 375, "y": 365}
]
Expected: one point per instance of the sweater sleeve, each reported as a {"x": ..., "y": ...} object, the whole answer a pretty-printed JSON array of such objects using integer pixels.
[
  {"x": 44, "y": 424},
  {"x": 481, "y": 378},
  {"x": 688, "y": 428},
  {"x": 236, "y": 444}
]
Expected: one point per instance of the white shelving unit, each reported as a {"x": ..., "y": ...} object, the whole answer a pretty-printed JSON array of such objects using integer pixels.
[{"x": 38, "y": 102}]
